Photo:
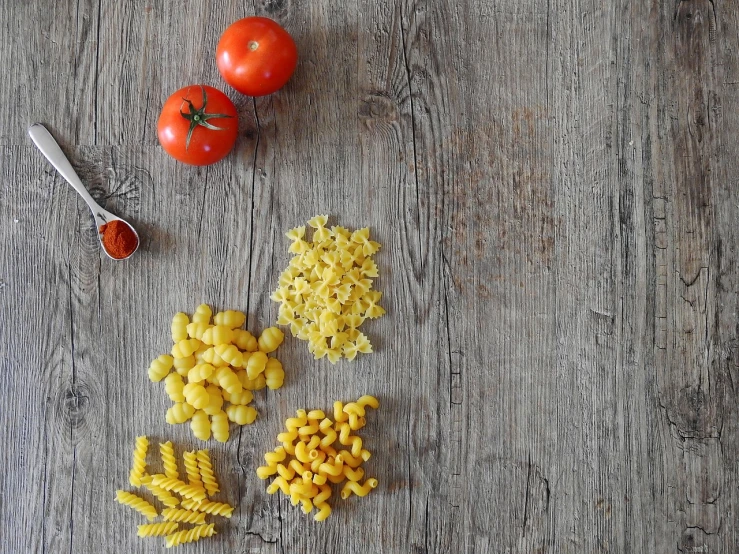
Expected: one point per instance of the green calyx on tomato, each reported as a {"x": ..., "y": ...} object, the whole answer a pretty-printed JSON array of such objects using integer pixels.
[{"x": 198, "y": 117}]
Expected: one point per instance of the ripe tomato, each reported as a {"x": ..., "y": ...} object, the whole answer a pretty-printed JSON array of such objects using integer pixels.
[
  {"x": 256, "y": 56},
  {"x": 198, "y": 125}
]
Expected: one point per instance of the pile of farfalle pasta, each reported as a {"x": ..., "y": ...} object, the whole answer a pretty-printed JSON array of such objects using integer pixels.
[
  {"x": 214, "y": 364},
  {"x": 309, "y": 458},
  {"x": 325, "y": 293},
  {"x": 185, "y": 503}
]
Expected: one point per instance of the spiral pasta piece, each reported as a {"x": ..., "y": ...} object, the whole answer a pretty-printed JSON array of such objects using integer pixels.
[
  {"x": 137, "y": 503},
  {"x": 160, "y": 367},
  {"x": 162, "y": 495},
  {"x": 192, "y": 468},
  {"x": 356, "y": 488},
  {"x": 209, "y": 507},
  {"x": 139, "y": 461},
  {"x": 157, "y": 529},
  {"x": 183, "y": 516},
  {"x": 206, "y": 472},
  {"x": 190, "y": 535},
  {"x": 193, "y": 492}
]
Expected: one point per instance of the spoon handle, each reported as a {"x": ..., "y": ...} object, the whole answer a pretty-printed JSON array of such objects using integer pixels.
[{"x": 49, "y": 148}]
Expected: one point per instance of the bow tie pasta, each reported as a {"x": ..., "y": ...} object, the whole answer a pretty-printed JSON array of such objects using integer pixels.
[{"x": 325, "y": 293}]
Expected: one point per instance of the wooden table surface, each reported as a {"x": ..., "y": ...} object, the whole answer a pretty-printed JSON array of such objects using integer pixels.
[{"x": 555, "y": 187}]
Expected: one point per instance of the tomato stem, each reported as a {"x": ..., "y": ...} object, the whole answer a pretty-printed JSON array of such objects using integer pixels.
[{"x": 198, "y": 117}]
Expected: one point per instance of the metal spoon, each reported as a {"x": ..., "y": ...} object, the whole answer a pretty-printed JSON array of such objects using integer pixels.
[{"x": 49, "y": 148}]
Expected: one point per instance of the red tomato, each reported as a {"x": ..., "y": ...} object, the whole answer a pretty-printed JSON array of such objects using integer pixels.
[
  {"x": 198, "y": 125},
  {"x": 256, "y": 56}
]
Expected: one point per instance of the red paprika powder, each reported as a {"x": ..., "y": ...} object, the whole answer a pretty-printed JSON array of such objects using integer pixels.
[{"x": 119, "y": 240}]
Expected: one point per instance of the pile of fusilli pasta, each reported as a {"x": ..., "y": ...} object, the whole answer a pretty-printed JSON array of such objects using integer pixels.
[
  {"x": 192, "y": 503},
  {"x": 215, "y": 364},
  {"x": 325, "y": 293},
  {"x": 305, "y": 468}
]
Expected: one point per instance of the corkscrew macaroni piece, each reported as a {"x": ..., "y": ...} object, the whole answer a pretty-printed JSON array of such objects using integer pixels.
[
  {"x": 137, "y": 503},
  {"x": 138, "y": 467},
  {"x": 157, "y": 529},
  {"x": 326, "y": 293},
  {"x": 190, "y": 535},
  {"x": 307, "y": 461},
  {"x": 194, "y": 506}
]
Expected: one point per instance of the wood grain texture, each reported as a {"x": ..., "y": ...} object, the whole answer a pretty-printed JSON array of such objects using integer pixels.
[{"x": 555, "y": 188}]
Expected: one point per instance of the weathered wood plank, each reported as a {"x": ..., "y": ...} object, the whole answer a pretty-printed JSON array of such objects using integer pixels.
[{"x": 554, "y": 185}]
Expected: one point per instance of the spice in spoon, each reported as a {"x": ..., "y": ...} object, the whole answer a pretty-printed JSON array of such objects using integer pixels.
[{"x": 119, "y": 240}]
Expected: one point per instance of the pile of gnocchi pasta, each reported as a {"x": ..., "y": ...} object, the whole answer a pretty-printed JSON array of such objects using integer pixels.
[
  {"x": 308, "y": 459},
  {"x": 216, "y": 366},
  {"x": 185, "y": 502},
  {"x": 325, "y": 293}
]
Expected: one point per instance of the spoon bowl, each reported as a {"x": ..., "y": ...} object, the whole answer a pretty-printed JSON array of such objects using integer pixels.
[{"x": 49, "y": 148}]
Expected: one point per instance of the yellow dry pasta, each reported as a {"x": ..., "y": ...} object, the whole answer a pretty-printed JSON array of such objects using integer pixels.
[
  {"x": 157, "y": 529},
  {"x": 179, "y": 413},
  {"x": 206, "y": 472},
  {"x": 193, "y": 492},
  {"x": 192, "y": 468},
  {"x": 173, "y": 385},
  {"x": 202, "y": 314},
  {"x": 183, "y": 516},
  {"x": 230, "y": 318},
  {"x": 219, "y": 426},
  {"x": 217, "y": 366},
  {"x": 307, "y": 461},
  {"x": 270, "y": 339},
  {"x": 139, "y": 461},
  {"x": 162, "y": 495},
  {"x": 160, "y": 367},
  {"x": 137, "y": 503},
  {"x": 209, "y": 507},
  {"x": 326, "y": 291},
  {"x": 179, "y": 327},
  {"x": 190, "y": 535}
]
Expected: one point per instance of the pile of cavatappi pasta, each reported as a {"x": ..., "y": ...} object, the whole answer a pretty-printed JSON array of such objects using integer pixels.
[
  {"x": 214, "y": 364},
  {"x": 325, "y": 293},
  {"x": 185, "y": 503},
  {"x": 307, "y": 461}
]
